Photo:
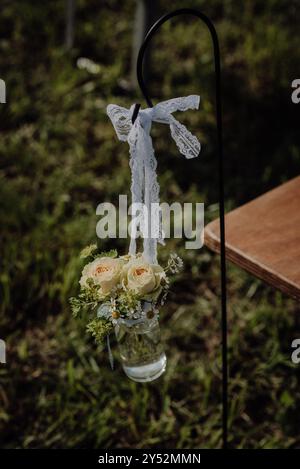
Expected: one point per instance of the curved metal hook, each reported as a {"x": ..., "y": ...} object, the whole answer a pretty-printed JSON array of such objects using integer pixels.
[
  {"x": 214, "y": 36},
  {"x": 156, "y": 26}
]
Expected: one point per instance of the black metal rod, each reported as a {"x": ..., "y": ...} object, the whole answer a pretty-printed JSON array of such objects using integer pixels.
[
  {"x": 135, "y": 112},
  {"x": 217, "y": 62}
]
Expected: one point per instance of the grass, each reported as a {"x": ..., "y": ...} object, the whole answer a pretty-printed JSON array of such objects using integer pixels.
[{"x": 60, "y": 158}]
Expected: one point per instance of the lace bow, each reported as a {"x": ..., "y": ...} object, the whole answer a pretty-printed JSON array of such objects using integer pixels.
[{"x": 144, "y": 185}]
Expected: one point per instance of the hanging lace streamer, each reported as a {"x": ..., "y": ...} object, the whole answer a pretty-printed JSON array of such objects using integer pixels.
[{"x": 144, "y": 185}]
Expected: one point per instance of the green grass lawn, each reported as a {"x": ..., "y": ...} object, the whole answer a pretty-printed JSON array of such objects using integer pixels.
[{"x": 60, "y": 157}]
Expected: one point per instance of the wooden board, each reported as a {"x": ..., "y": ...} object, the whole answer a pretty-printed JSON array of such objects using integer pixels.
[{"x": 263, "y": 237}]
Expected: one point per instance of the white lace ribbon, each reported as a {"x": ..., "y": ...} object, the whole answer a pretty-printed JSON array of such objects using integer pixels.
[{"x": 144, "y": 185}]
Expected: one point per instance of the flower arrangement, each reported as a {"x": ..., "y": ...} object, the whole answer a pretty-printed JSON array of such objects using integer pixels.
[
  {"x": 120, "y": 288},
  {"x": 125, "y": 292}
]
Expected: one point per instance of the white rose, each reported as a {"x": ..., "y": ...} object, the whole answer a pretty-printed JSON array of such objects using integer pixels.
[
  {"x": 141, "y": 277},
  {"x": 104, "y": 271}
]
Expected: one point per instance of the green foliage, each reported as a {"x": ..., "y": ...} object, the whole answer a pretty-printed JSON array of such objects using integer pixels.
[
  {"x": 91, "y": 251},
  {"x": 99, "y": 328},
  {"x": 76, "y": 305},
  {"x": 113, "y": 253},
  {"x": 88, "y": 251},
  {"x": 60, "y": 157}
]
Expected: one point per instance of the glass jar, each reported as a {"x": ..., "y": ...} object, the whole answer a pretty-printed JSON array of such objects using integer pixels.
[{"x": 141, "y": 350}]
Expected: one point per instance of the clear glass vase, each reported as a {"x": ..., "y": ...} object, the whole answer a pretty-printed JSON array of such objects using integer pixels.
[{"x": 141, "y": 350}]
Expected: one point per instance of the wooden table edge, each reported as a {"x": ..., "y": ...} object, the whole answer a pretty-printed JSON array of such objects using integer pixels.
[{"x": 234, "y": 255}]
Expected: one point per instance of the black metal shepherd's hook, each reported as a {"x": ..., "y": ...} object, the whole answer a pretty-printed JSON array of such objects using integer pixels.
[{"x": 214, "y": 36}]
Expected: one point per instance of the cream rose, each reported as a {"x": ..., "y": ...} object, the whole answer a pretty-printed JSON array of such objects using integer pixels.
[
  {"x": 104, "y": 271},
  {"x": 141, "y": 277}
]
